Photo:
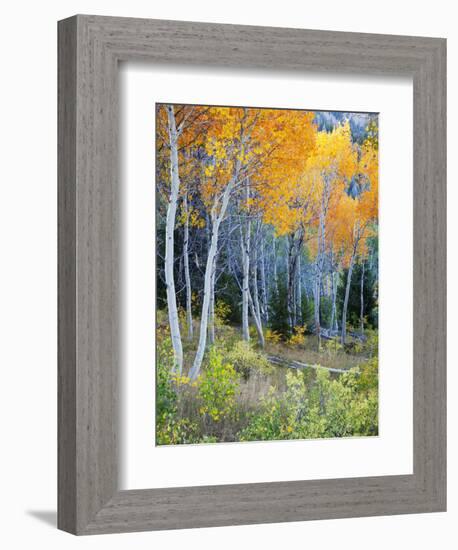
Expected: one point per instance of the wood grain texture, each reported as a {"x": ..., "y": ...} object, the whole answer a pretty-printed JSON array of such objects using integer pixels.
[
  {"x": 90, "y": 48},
  {"x": 67, "y": 134}
]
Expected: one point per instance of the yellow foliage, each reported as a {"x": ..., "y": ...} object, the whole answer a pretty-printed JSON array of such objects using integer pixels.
[
  {"x": 298, "y": 336},
  {"x": 299, "y": 176},
  {"x": 272, "y": 336}
]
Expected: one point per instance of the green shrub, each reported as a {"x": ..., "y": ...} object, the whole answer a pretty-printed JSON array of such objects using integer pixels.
[
  {"x": 165, "y": 394},
  {"x": 332, "y": 347},
  {"x": 246, "y": 359},
  {"x": 368, "y": 378},
  {"x": 277, "y": 414},
  {"x": 176, "y": 431},
  {"x": 217, "y": 388},
  {"x": 347, "y": 406},
  {"x": 170, "y": 428},
  {"x": 162, "y": 324},
  {"x": 371, "y": 344},
  {"x": 367, "y": 347}
]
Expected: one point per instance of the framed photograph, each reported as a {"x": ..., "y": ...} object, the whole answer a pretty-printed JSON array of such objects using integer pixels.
[{"x": 252, "y": 268}]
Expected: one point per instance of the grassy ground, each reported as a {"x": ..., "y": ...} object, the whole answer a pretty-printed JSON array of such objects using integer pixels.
[
  {"x": 330, "y": 355},
  {"x": 240, "y": 395}
]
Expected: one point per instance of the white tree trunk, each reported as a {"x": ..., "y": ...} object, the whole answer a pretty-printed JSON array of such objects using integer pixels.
[
  {"x": 345, "y": 305},
  {"x": 186, "y": 270},
  {"x": 319, "y": 265},
  {"x": 265, "y": 301},
  {"x": 274, "y": 248},
  {"x": 216, "y": 219},
  {"x": 316, "y": 302},
  {"x": 245, "y": 289},
  {"x": 169, "y": 243},
  {"x": 255, "y": 285},
  {"x": 257, "y": 321},
  {"x": 362, "y": 298},
  {"x": 211, "y": 324},
  {"x": 299, "y": 291},
  {"x": 333, "y": 323},
  {"x": 294, "y": 249},
  {"x": 245, "y": 243}
]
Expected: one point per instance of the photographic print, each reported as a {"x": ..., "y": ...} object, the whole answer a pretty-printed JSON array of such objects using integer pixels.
[{"x": 266, "y": 274}]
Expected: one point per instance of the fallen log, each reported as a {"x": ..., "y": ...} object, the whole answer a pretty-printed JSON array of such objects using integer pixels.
[
  {"x": 328, "y": 334},
  {"x": 298, "y": 365},
  {"x": 358, "y": 336}
]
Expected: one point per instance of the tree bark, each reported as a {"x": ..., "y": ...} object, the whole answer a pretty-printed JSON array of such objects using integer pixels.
[
  {"x": 362, "y": 298},
  {"x": 211, "y": 324},
  {"x": 274, "y": 248},
  {"x": 299, "y": 290},
  {"x": 316, "y": 303},
  {"x": 333, "y": 323},
  {"x": 265, "y": 302},
  {"x": 294, "y": 247},
  {"x": 255, "y": 288},
  {"x": 345, "y": 305},
  {"x": 169, "y": 243},
  {"x": 319, "y": 264},
  {"x": 245, "y": 243},
  {"x": 257, "y": 321},
  {"x": 194, "y": 372},
  {"x": 186, "y": 270},
  {"x": 217, "y": 218}
]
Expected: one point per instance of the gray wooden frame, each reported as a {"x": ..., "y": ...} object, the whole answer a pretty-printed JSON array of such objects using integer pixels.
[{"x": 90, "y": 48}]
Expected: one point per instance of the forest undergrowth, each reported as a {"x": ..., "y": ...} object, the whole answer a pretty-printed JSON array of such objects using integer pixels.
[{"x": 241, "y": 396}]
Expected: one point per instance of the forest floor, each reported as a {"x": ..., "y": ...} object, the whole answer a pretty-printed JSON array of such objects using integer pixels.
[
  {"x": 244, "y": 395},
  {"x": 330, "y": 355}
]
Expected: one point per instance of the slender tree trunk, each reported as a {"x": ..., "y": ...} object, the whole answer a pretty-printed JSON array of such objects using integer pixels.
[
  {"x": 257, "y": 321},
  {"x": 245, "y": 243},
  {"x": 245, "y": 287},
  {"x": 211, "y": 324},
  {"x": 362, "y": 298},
  {"x": 317, "y": 286},
  {"x": 265, "y": 302},
  {"x": 186, "y": 270},
  {"x": 216, "y": 219},
  {"x": 194, "y": 372},
  {"x": 299, "y": 290},
  {"x": 293, "y": 295},
  {"x": 345, "y": 305},
  {"x": 333, "y": 323},
  {"x": 294, "y": 249},
  {"x": 255, "y": 286},
  {"x": 169, "y": 243},
  {"x": 274, "y": 247},
  {"x": 179, "y": 278},
  {"x": 321, "y": 256},
  {"x": 288, "y": 286},
  {"x": 316, "y": 303},
  {"x": 336, "y": 320}
]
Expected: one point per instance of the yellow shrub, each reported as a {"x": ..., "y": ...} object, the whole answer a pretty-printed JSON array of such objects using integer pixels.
[
  {"x": 222, "y": 312},
  {"x": 298, "y": 336},
  {"x": 272, "y": 336}
]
